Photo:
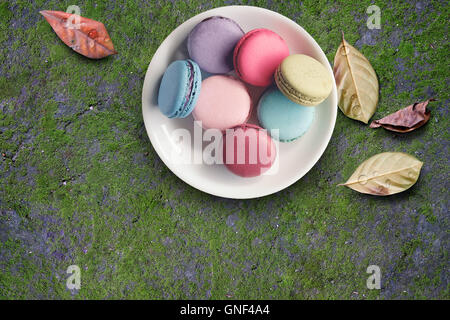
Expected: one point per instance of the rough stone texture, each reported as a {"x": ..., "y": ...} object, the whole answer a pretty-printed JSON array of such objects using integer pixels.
[{"x": 81, "y": 184}]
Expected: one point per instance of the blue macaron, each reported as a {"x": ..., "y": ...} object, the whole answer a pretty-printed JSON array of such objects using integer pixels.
[
  {"x": 275, "y": 111},
  {"x": 180, "y": 89}
]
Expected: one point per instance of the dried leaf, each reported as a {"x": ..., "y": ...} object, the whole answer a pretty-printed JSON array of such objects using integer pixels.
[
  {"x": 385, "y": 174},
  {"x": 406, "y": 119},
  {"x": 91, "y": 38},
  {"x": 356, "y": 82}
]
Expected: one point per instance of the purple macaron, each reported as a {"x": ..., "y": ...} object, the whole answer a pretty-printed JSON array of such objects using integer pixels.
[{"x": 211, "y": 44}]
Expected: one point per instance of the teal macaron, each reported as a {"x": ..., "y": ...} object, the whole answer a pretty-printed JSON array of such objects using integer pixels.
[
  {"x": 275, "y": 111},
  {"x": 180, "y": 89}
]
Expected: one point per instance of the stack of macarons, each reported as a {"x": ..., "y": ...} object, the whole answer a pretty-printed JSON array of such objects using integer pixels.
[{"x": 237, "y": 61}]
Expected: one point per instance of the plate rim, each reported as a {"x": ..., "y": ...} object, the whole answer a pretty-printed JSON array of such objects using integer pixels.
[{"x": 295, "y": 177}]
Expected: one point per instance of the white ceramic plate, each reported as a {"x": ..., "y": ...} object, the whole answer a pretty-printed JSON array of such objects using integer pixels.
[{"x": 294, "y": 160}]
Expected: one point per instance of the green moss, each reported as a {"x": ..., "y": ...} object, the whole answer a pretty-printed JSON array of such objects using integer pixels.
[
  {"x": 5, "y": 12},
  {"x": 5, "y": 17},
  {"x": 409, "y": 247},
  {"x": 8, "y": 88},
  {"x": 137, "y": 231}
]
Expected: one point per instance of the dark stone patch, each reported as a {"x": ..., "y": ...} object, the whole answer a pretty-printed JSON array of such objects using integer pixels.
[
  {"x": 342, "y": 144},
  {"x": 404, "y": 78},
  {"x": 140, "y": 159},
  {"x": 368, "y": 37},
  {"x": 396, "y": 37},
  {"x": 94, "y": 148},
  {"x": 231, "y": 220},
  {"x": 45, "y": 244}
]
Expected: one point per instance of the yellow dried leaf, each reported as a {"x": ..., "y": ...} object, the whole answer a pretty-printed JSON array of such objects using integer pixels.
[
  {"x": 385, "y": 174},
  {"x": 356, "y": 82}
]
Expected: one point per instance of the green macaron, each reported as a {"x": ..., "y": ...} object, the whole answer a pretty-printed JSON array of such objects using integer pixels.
[{"x": 304, "y": 80}]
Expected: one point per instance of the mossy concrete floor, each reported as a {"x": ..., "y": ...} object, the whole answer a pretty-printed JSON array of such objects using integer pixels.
[{"x": 81, "y": 184}]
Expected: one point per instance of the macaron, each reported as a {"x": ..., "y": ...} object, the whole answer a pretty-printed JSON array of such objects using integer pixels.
[
  {"x": 304, "y": 80},
  {"x": 248, "y": 151},
  {"x": 257, "y": 55},
  {"x": 276, "y": 112},
  {"x": 179, "y": 89},
  {"x": 211, "y": 44},
  {"x": 224, "y": 103}
]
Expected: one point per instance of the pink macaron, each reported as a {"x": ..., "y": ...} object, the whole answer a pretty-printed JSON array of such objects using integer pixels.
[
  {"x": 224, "y": 103},
  {"x": 257, "y": 56},
  {"x": 248, "y": 150}
]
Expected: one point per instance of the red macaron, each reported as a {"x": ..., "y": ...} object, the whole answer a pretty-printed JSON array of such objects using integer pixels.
[{"x": 248, "y": 150}]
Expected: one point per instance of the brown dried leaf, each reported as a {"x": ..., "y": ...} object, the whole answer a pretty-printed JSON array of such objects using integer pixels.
[
  {"x": 91, "y": 38},
  {"x": 406, "y": 119}
]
